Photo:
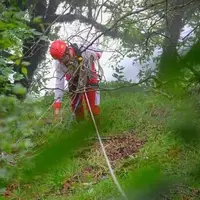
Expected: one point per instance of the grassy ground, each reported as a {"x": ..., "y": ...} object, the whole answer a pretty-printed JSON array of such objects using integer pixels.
[{"x": 160, "y": 160}]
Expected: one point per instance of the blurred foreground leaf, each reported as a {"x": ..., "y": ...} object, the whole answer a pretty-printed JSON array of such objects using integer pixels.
[{"x": 60, "y": 147}]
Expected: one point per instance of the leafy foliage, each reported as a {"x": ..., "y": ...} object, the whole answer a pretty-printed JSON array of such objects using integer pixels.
[
  {"x": 38, "y": 155},
  {"x": 14, "y": 30}
]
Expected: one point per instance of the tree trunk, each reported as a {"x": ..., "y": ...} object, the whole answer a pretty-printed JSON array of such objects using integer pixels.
[
  {"x": 34, "y": 51},
  {"x": 169, "y": 56}
]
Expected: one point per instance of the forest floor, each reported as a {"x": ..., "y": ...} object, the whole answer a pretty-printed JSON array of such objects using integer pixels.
[{"x": 140, "y": 134}]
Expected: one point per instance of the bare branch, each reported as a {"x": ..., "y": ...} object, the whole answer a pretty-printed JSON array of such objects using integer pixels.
[
  {"x": 83, "y": 19},
  {"x": 122, "y": 18},
  {"x": 191, "y": 32}
]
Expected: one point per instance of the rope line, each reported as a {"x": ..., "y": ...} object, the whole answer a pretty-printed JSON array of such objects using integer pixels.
[
  {"x": 44, "y": 113},
  {"x": 104, "y": 151}
]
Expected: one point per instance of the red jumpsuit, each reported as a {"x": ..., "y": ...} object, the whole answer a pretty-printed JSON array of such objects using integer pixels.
[{"x": 77, "y": 99}]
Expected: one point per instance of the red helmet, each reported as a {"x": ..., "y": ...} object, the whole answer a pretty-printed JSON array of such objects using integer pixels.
[{"x": 57, "y": 49}]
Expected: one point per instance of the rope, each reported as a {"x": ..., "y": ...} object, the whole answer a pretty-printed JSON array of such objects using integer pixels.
[
  {"x": 44, "y": 113},
  {"x": 72, "y": 114},
  {"x": 104, "y": 151}
]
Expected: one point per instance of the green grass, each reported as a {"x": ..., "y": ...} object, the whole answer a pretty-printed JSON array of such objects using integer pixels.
[{"x": 164, "y": 157}]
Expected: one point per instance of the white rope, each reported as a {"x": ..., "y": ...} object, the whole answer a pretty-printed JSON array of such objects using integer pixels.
[
  {"x": 104, "y": 151},
  {"x": 44, "y": 113}
]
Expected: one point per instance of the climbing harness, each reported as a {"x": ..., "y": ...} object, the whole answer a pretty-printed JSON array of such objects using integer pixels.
[{"x": 80, "y": 71}]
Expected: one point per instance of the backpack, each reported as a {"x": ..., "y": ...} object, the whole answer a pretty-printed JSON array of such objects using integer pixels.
[{"x": 76, "y": 49}]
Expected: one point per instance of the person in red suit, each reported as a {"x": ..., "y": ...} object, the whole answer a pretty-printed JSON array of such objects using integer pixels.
[{"x": 62, "y": 54}]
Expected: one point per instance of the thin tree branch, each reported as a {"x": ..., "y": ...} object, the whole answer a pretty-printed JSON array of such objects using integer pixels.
[{"x": 122, "y": 18}]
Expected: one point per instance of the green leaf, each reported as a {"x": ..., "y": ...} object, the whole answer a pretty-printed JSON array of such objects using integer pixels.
[
  {"x": 19, "y": 89},
  {"x": 115, "y": 75},
  {"x": 37, "y": 20},
  {"x": 42, "y": 27},
  {"x": 117, "y": 69},
  {"x": 7, "y": 71},
  {"x": 44, "y": 37},
  {"x": 2, "y": 62},
  {"x": 18, "y": 76},
  {"x": 19, "y": 15},
  {"x": 24, "y": 71},
  {"x": 36, "y": 32},
  {"x": 5, "y": 43},
  {"x": 25, "y": 63},
  {"x": 13, "y": 57},
  {"x": 18, "y": 61},
  {"x": 121, "y": 76},
  {"x": 2, "y": 25}
]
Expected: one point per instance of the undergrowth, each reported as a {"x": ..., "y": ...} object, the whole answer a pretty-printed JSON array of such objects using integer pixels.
[{"x": 57, "y": 163}]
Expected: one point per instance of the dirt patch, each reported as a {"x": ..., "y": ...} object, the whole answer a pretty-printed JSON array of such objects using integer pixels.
[
  {"x": 121, "y": 147},
  {"x": 117, "y": 148},
  {"x": 9, "y": 190}
]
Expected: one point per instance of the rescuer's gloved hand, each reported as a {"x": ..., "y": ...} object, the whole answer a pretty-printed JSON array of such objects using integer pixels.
[{"x": 57, "y": 107}]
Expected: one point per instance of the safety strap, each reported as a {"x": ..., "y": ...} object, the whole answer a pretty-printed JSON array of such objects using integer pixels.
[{"x": 81, "y": 70}]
